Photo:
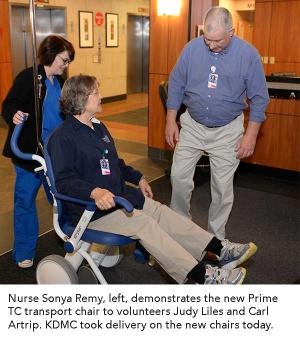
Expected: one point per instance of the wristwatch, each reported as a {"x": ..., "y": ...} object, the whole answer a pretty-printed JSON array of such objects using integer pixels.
[{"x": 143, "y": 177}]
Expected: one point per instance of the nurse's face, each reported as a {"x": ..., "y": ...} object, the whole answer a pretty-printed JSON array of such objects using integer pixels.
[{"x": 60, "y": 63}]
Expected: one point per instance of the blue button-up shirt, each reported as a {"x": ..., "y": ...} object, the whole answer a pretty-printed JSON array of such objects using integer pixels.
[{"x": 240, "y": 76}]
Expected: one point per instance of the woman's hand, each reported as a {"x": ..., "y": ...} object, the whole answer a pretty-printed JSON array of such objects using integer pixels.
[
  {"x": 103, "y": 198},
  {"x": 18, "y": 117},
  {"x": 145, "y": 188}
]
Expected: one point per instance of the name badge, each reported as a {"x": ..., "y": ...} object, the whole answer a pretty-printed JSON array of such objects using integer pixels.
[
  {"x": 212, "y": 81},
  {"x": 104, "y": 166}
]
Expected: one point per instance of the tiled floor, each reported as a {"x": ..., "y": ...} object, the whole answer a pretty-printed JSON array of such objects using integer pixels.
[{"x": 132, "y": 146}]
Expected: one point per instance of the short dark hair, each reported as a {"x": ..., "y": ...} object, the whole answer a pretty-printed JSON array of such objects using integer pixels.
[
  {"x": 75, "y": 93},
  {"x": 51, "y": 46}
]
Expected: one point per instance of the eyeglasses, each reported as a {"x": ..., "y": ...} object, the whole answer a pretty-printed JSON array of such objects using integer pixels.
[
  {"x": 65, "y": 60},
  {"x": 94, "y": 93}
]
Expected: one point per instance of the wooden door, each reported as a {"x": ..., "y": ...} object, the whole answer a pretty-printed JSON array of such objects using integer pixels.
[
  {"x": 276, "y": 35},
  {"x": 262, "y": 30},
  {"x": 284, "y": 37}
]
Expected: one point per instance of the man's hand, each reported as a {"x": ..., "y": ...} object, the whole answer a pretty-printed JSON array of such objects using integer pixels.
[
  {"x": 246, "y": 145},
  {"x": 145, "y": 188},
  {"x": 103, "y": 198},
  {"x": 171, "y": 131}
]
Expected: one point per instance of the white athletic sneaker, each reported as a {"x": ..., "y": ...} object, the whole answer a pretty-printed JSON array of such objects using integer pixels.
[
  {"x": 233, "y": 254},
  {"x": 25, "y": 263},
  {"x": 215, "y": 275}
]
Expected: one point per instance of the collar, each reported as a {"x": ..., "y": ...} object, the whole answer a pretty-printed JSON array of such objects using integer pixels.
[
  {"x": 77, "y": 123},
  {"x": 224, "y": 52},
  {"x": 73, "y": 121},
  {"x": 96, "y": 121}
]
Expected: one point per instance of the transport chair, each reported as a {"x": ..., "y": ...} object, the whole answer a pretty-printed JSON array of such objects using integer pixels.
[{"x": 80, "y": 265}]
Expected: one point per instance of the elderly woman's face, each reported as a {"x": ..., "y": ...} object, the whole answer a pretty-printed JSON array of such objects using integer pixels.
[{"x": 94, "y": 102}]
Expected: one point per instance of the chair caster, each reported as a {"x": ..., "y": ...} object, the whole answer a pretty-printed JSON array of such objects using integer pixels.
[
  {"x": 87, "y": 276},
  {"x": 105, "y": 256},
  {"x": 54, "y": 269},
  {"x": 113, "y": 257}
]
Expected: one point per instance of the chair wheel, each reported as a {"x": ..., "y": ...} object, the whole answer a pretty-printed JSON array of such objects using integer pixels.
[
  {"x": 87, "y": 276},
  {"x": 55, "y": 269}
]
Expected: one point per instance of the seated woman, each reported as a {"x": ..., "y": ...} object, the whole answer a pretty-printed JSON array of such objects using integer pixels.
[{"x": 86, "y": 166}]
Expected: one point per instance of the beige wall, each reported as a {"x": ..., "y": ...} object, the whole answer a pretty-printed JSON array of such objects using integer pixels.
[
  {"x": 111, "y": 72},
  {"x": 242, "y": 15},
  {"x": 240, "y": 10}
]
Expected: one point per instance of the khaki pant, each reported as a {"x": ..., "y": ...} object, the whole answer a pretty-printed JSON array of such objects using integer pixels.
[
  {"x": 219, "y": 143},
  {"x": 176, "y": 242}
]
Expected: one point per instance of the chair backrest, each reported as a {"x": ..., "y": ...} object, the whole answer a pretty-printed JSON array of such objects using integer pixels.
[
  {"x": 163, "y": 93},
  {"x": 50, "y": 172},
  {"x": 46, "y": 187},
  {"x": 27, "y": 156},
  {"x": 63, "y": 216}
]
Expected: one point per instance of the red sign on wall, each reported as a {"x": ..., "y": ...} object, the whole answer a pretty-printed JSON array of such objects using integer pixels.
[{"x": 99, "y": 18}]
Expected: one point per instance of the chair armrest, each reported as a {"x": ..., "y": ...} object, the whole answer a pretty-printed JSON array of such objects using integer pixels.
[
  {"x": 91, "y": 206},
  {"x": 71, "y": 244}
]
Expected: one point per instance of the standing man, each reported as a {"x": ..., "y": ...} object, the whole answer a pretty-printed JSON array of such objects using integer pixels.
[{"x": 213, "y": 76}]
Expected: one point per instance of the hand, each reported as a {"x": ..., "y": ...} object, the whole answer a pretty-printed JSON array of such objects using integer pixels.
[
  {"x": 145, "y": 188},
  {"x": 245, "y": 147},
  {"x": 103, "y": 198},
  {"x": 18, "y": 117},
  {"x": 171, "y": 133}
]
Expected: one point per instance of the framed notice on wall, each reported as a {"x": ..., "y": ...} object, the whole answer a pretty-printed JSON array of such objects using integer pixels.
[
  {"x": 86, "y": 31},
  {"x": 200, "y": 30},
  {"x": 112, "y": 29}
]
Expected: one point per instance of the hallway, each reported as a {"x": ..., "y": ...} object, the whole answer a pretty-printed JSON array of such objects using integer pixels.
[{"x": 131, "y": 142}]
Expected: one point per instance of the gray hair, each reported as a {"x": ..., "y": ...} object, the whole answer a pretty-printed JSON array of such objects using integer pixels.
[
  {"x": 217, "y": 17},
  {"x": 75, "y": 93}
]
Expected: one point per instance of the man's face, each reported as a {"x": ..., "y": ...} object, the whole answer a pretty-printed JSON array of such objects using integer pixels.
[{"x": 219, "y": 40}]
